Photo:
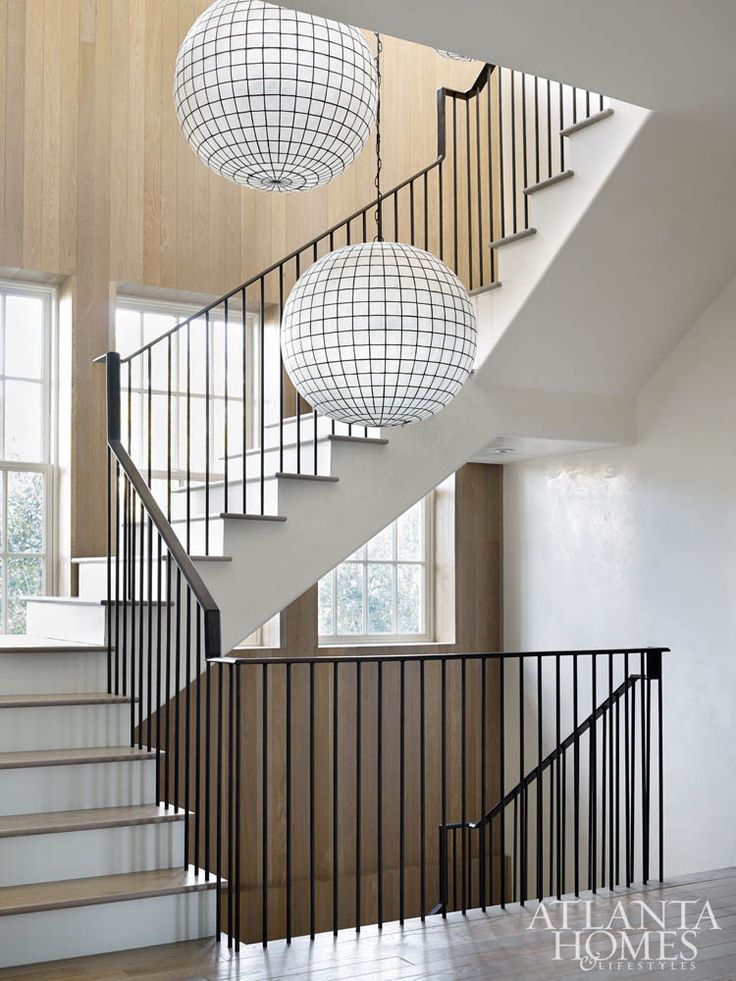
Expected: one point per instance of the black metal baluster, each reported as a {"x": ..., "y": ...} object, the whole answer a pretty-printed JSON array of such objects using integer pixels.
[
  {"x": 219, "y": 722},
  {"x": 468, "y": 180},
  {"x": 108, "y": 573},
  {"x": 592, "y": 870},
  {"x": 148, "y": 607},
  {"x": 167, "y": 682},
  {"x": 524, "y": 149},
  {"x": 558, "y": 775},
  {"x": 226, "y": 447},
  {"x": 480, "y": 190},
  {"x": 549, "y": 128},
  {"x": 618, "y": 791},
  {"x": 379, "y": 791},
  {"x": 244, "y": 358},
  {"x": 604, "y": 736},
  {"x": 455, "y": 239},
  {"x": 463, "y": 785},
  {"x": 335, "y": 797},
  {"x": 501, "y": 161},
  {"x": 514, "y": 202},
  {"x": 358, "y": 793},
  {"x": 443, "y": 752},
  {"x": 262, "y": 359},
  {"x": 238, "y": 799},
  {"x": 562, "y": 125},
  {"x": 189, "y": 436},
  {"x": 645, "y": 720},
  {"x": 199, "y": 806},
  {"x": 482, "y": 822},
  {"x": 523, "y": 884},
  {"x": 576, "y": 778},
  {"x": 281, "y": 374},
  {"x": 141, "y": 624},
  {"x": 611, "y": 833},
  {"x": 179, "y": 688},
  {"x": 230, "y": 802},
  {"x": 159, "y": 701},
  {"x": 288, "y": 806},
  {"x": 422, "y": 796},
  {"x": 264, "y": 806},
  {"x": 660, "y": 771},
  {"x": 312, "y": 777},
  {"x": 402, "y": 785},
  {"x": 540, "y": 784},
  {"x": 536, "y": 130},
  {"x": 502, "y": 774},
  {"x": 207, "y": 409},
  {"x": 187, "y": 691},
  {"x": 627, "y": 787},
  {"x": 129, "y": 611}
]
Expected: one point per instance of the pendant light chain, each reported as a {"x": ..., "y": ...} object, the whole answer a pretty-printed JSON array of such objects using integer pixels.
[{"x": 379, "y": 162}]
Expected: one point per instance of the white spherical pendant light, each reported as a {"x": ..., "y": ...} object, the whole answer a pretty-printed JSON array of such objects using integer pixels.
[
  {"x": 274, "y": 99},
  {"x": 378, "y": 334}
]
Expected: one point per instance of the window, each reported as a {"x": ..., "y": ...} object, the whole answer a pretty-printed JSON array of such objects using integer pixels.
[
  {"x": 25, "y": 449},
  {"x": 184, "y": 358},
  {"x": 383, "y": 592}
]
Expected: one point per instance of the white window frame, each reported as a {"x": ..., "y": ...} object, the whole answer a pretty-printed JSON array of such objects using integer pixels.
[
  {"x": 182, "y": 311},
  {"x": 45, "y": 466},
  {"x": 395, "y": 639}
]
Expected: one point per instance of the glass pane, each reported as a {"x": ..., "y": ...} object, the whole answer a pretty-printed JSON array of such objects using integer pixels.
[
  {"x": 25, "y": 578},
  {"x": 357, "y": 556},
  {"x": 2, "y": 594},
  {"x": 410, "y": 599},
  {"x": 380, "y": 598},
  {"x": 382, "y": 546},
  {"x": 24, "y": 421},
  {"x": 127, "y": 331},
  {"x": 24, "y": 336},
  {"x": 154, "y": 325},
  {"x": 410, "y": 533},
  {"x": 326, "y": 621},
  {"x": 349, "y": 598},
  {"x": 26, "y": 508}
]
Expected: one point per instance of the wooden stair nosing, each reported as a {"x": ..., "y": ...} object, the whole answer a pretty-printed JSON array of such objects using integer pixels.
[
  {"x": 20, "y": 759},
  {"x": 597, "y": 117},
  {"x": 53, "y": 699},
  {"x": 97, "y": 890},
  {"x": 87, "y": 819}
]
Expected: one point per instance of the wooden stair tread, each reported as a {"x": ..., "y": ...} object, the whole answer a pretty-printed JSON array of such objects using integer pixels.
[
  {"x": 94, "y": 890},
  {"x": 62, "y": 698},
  {"x": 63, "y": 757},
  {"x": 54, "y": 822}
]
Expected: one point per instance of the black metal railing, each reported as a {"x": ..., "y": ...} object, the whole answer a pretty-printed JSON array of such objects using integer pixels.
[
  {"x": 571, "y": 817},
  {"x": 209, "y": 415},
  {"x": 345, "y": 786}
]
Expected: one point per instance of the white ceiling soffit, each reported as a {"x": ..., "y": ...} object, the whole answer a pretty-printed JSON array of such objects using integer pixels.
[{"x": 673, "y": 56}]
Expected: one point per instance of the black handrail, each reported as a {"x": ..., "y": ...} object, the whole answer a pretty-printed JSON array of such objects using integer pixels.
[{"x": 210, "y": 609}]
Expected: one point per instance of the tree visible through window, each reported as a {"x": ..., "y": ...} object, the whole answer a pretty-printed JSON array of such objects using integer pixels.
[
  {"x": 25, "y": 416},
  {"x": 382, "y": 592}
]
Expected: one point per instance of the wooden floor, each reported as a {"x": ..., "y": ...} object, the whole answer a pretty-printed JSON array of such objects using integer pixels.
[{"x": 480, "y": 946}]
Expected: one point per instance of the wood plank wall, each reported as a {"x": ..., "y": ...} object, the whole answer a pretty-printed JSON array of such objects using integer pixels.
[
  {"x": 99, "y": 187},
  {"x": 476, "y": 521}
]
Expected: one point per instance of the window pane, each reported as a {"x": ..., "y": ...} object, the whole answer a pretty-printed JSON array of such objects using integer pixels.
[
  {"x": 24, "y": 340},
  {"x": 357, "y": 556},
  {"x": 410, "y": 599},
  {"x": 2, "y": 594},
  {"x": 409, "y": 533},
  {"x": 380, "y": 598},
  {"x": 24, "y": 421},
  {"x": 326, "y": 623},
  {"x": 127, "y": 331},
  {"x": 382, "y": 546},
  {"x": 350, "y": 598},
  {"x": 26, "y": 506},
  {"x": 25, "y": 578}
]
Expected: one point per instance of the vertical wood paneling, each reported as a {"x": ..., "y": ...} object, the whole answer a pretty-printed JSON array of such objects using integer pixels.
[
  {"x": 170, "y": 140},
  {"x": 136, "y": 138},
  {"x": 68, "y": 145},
  {"x": 51, "y": 136}
]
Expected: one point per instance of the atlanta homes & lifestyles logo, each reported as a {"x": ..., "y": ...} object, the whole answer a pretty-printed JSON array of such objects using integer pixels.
[{"x": 633, "y": 936}]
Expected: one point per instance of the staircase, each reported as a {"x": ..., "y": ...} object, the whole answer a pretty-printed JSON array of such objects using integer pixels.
[
  {"x": 99, "y": 712},
  {"x": 89, "y": 860}
]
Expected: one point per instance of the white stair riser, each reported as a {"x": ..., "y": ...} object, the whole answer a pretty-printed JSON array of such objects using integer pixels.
[
  {"x": 29, "y": 938},
  {"x": 64, "y": 726},
  {"x": 80, "y": 622},
  {"x": 217, "y": 504},
  {"x": 29, "y": 790},
  {"x": 93, "y": 580},
  {"x": 98, "y": 851},
  {"x": 67, "y": 621},
  {"x": 35, "y": 674}
]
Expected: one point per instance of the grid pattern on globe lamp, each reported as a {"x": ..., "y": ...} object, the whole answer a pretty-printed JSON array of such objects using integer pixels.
[
  {"x": 274, "y": 99},
  {"x": 378, "y": 334}
]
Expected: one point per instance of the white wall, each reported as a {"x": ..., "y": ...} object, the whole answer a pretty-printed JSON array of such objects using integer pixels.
[{"x": 637, "y": 546}]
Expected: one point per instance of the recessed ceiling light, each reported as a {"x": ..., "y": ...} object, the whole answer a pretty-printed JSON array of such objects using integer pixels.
[{"x": 501, "y": 449}]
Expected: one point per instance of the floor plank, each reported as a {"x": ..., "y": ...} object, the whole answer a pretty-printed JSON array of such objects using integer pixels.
[{"x": 478, "y": 947}]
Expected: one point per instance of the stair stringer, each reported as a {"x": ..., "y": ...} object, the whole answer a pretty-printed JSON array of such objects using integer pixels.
[{"x": 274, "y": 563}]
